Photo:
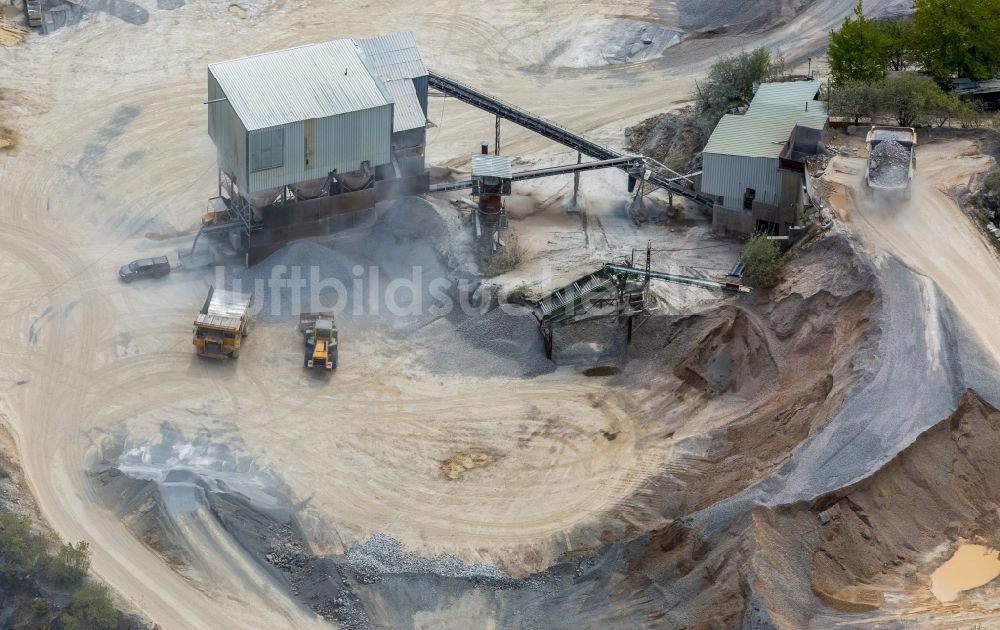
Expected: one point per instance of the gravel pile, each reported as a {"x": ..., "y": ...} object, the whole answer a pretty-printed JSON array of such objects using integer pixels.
[
  {"x": 382, "y": 555},
  {"x": 889, "y": 163},
  {"x": 364, "y": 275},
  {"x": 501, "y": 342},
  {"x": 357, "y": 273}
]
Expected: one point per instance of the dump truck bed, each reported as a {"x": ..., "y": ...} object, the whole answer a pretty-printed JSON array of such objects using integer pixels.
[
  {"x": 224, "y": 310},
  {"x": 891, "y": 157}
]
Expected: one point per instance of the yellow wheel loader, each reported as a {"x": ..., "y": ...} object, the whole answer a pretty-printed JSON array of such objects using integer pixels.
[{"x": 319, "y": 332}]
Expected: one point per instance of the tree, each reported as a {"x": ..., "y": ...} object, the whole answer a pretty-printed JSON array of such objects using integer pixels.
[
  {"x": 897, "y": 40},
  {"x": 71, "y": 563},
  {"x": 859, "y": 50},
  {"x": 855, "y": 99},
  {"x": 957, "y": 37},
  {"x": 21, "y": 550},
  {"x": 910, "y": 98},
  {"x": 91, "y": 610},
  {"x": 730, "y": 84},
  {"x": 762, "y": 259}
]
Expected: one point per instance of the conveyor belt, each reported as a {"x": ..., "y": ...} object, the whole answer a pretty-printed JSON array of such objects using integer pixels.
[
  {"x": 634, "y": 162},
  {"x": 554, "y": 132}
]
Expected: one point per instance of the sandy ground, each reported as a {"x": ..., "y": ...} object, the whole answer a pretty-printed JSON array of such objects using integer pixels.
[{"x": 114, "y": 163}]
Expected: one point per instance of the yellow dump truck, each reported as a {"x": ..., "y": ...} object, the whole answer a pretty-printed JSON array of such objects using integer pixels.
[
  {"x": 320, "y": 335},
  {"x": 222, "y": 323}
]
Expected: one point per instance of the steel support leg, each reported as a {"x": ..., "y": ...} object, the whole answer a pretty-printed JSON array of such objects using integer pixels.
[
  {"x": 496, "y": 146},
  {"x": 576, "y": 178}
]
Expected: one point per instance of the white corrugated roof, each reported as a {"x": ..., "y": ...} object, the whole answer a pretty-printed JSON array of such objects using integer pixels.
[
  {"x": 313, "y": 81},
  {"x": 407, "y": 114},
  {"x": 774, "y": 112},
  {"x": 484, "y": 165},
  {"x": 395, "y": 56}
]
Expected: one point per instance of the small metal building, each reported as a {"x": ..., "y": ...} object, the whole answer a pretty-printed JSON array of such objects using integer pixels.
[{"x": 753, "y": 163}]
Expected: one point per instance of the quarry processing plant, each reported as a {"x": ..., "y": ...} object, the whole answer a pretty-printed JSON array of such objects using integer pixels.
[{"x": 348, "y": 131}]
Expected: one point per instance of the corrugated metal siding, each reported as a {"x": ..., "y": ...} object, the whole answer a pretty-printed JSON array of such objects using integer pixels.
[
  {"x": 729, "y": 176},
  {"x": 420, "y": 84},
  {"x": 786, "y": 92},
  {"x": 395, "y": 56},
  {"x": 407, "y": 113},
  {"x": 492, "y": 166},
  {"x": 315, "y": 81},
  {"x": 226, "y": 130},
  {"x": 342, "y": 143},
  {"x": 410, "y": 138}
]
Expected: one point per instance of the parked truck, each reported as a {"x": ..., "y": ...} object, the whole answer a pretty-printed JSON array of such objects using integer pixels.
[
  {"x": 892, "y": 157},
  {"x": 33, "y": 12},
  {"x": 222, "y": 324},
  {"x": 319, "y": 332}
]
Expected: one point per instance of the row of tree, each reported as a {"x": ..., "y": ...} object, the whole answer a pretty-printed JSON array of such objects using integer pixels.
[
  {"x": 913, "y": 100},
  {"x": 944, "y": 38}
]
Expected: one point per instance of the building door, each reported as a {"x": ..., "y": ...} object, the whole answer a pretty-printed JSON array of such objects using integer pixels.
[{"x": 309, "y": 127}]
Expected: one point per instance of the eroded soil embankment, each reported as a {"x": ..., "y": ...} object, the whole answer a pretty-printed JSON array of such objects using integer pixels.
[
  {"x": 886, "y": 533},
  {"x": 751, "y": 381},
  {"x": 857, "y": 554}
]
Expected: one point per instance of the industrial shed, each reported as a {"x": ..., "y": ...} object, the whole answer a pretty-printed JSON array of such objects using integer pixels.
[
  {"x": 296, "y": 115},
  {"x": 753, "y": 163},
  {"x": 293, "y": 117},
  {"x": 306, "y": 134}
]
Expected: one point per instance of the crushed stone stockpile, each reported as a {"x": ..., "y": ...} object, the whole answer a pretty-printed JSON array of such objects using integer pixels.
[
  {"x": 734, "y": 18},
  {"x": 889, "y": 163}
]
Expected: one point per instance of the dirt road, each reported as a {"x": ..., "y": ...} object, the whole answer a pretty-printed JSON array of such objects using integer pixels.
[
  {"x": 115, "y": 162},
  {"x": 929, "y": 232}
]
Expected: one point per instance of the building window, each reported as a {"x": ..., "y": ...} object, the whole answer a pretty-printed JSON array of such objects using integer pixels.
[
  {"x": 748, "y": 198},
  {"x": 267, "y": 149}
]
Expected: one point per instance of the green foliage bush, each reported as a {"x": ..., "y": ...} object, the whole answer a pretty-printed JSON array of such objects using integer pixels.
[
  {"x": 859, "y": 50},
  {"x": 92, "y": 609},
  {"x": 762, "y": 259},
  {"x": 730, "y": 85},
  {"x": 71, "y": 563},
  {"x": 957, "y": 38},
  {"x": 945, "y": 38},
  {"x": 39, "y": 606},
  {"x": 21, "y": 550}
]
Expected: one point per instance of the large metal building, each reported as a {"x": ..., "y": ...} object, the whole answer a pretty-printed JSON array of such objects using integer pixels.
[
  {"x": 307, "y": 133},
  {"x": 753, "y": 163},
  {"x": 296, "y": 115}
]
